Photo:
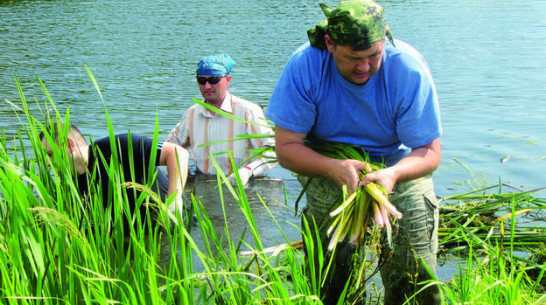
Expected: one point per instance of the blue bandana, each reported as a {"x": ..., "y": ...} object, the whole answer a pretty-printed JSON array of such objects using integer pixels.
[{"x": 217, "y": 65}]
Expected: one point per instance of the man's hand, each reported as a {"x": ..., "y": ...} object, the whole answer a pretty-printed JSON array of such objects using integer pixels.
[
  {"x": 421, "y": 161},
  {"x": 347, "y": 172},
  {"x": 244, "y": 176},
  {"x": 176, "y": 205},
  {"x": 176, "y": 158},
  {"x": 385, "y": 177}
]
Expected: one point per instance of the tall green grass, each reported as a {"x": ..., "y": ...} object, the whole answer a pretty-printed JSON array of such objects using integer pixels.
[
  {"x": 496, "y": 276},
  {"x": 50, "y": 253}
]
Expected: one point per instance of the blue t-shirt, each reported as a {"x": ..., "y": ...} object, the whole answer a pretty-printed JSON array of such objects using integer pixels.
[{"x": 396, "y": 110}]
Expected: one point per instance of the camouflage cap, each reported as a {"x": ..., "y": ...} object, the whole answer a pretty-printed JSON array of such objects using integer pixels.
[{"x": 357, "y": 23}]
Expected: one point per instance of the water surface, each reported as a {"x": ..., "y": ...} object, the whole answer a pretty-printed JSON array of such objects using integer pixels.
[{"x": 487, "y": 58}]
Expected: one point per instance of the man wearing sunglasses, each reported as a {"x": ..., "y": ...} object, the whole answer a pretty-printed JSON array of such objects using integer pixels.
[{"x": 208, "y": 134}]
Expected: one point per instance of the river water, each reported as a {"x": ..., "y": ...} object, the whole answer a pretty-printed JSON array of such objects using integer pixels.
[{"x": 488, "y": 59}]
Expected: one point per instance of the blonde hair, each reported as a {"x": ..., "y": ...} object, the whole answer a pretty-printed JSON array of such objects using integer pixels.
[{"x": 73, "y": 133}]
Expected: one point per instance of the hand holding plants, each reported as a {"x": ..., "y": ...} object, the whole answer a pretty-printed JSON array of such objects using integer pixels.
[
  {"x": 347, "y": 173},
  {"x": 363, "y": 197},
  {"x": 244, "y": 176}
]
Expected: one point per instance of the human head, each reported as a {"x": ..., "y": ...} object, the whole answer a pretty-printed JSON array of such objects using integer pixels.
[
  {"x": 215, "y": 65},
  {"x": 354, "y": 32},
  {"x": 75, "y": 143},
  {"x": 357, "y": 24},
  {"x": 214, "y": 68}
]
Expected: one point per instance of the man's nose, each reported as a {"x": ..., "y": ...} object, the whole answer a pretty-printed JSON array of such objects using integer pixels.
[{"x": 363, "y": 66}]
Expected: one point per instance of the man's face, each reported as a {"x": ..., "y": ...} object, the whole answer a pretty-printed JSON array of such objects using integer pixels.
[
  {"x": 214, "y": 93},
  {"x": 49, "y": 152},
  {"x": 357, "y": 66},
  {"x": 48, "y": 149}
]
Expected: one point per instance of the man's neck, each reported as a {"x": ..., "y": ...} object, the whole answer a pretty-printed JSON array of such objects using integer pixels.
[
  {"x": 218, "y": 104},
  {"x": 83, "y": 160}
]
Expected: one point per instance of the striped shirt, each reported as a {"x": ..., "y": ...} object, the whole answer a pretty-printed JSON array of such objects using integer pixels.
[{"x": 199, "y": 126}]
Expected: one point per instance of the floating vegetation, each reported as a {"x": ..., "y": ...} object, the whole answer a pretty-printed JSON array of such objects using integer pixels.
[{"x": 486, "y": 215}]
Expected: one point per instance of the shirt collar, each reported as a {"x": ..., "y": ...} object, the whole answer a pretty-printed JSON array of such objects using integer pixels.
[{"x": 226, "y": 106}]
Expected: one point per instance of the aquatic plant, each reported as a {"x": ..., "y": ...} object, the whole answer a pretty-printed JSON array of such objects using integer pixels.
[{"x": 56, "y": 248}]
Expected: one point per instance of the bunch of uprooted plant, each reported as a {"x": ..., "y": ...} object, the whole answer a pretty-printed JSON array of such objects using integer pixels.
[
  {"x": 497, "y": 223},
  {"x": 359, "y": 217},
  {"x": 500, "y": 229}
]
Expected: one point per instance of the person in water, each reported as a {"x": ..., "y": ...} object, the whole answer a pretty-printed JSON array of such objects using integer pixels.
[
  {"x": 135, "y": 154},
  {"x": 199, "y": 126},
  {"x": 353, "y": 83}
]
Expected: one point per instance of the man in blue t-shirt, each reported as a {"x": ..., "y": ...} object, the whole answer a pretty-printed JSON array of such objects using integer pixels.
[
  {"x": 351, "y": 85},
  {"x": 131, "y": 157}
]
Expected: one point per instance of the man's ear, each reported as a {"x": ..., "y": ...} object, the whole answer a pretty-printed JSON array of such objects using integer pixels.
[
  {"x": 329, "y": 43},
  {"x": 71, "y": 145}
]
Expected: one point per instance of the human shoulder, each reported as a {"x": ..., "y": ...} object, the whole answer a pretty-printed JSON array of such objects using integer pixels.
[
  {"x": 307, "y": 68},
  {"x": 127, "y": 136},
  {"x": 308, "y": 55},
  {"x": 193, "y": 108},
  {"x": 307, "y": 50},
  {"x": 402, "y": 53},
  {"x": 191, "y": 111},
  {"x": 123, "y": 140},
  {"x": 100, "y": 143},
  {"x": 404, "y": 67},
  {"x": 241, "y": 102}
]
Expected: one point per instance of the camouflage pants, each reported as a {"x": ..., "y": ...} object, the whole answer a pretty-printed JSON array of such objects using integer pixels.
[{"x": 415, "y": 242}]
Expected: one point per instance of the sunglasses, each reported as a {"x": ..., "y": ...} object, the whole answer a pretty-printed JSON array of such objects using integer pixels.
[{"x": 213, "y": 80}]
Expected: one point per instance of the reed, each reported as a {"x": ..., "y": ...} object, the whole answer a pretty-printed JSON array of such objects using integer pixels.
[
  {"x": 484, "y": 215},
  {"x": 495, "y": 276},
  {"x": 56, "y": 248}
]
